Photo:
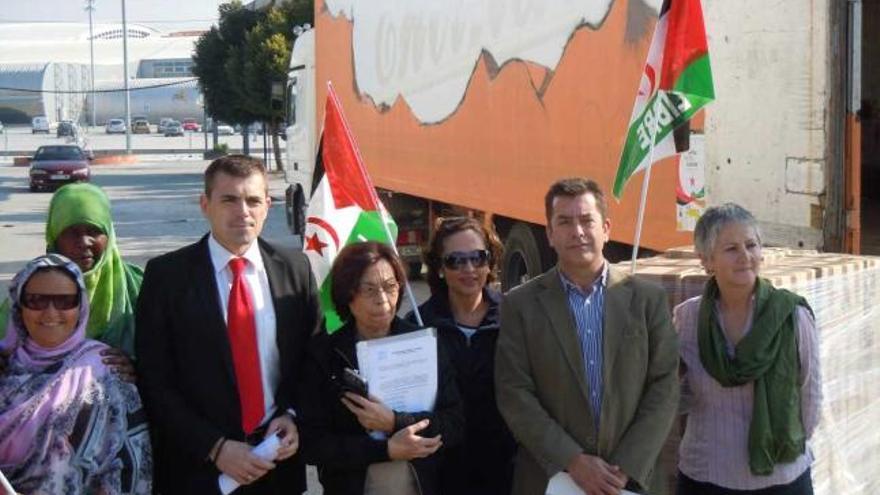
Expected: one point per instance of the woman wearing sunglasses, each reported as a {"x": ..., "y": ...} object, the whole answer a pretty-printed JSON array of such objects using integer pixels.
[
  {"x": 80, "y": 227},
  {"x": 67, "y": 424},
  {"x": 335, "y": 414},
  {"x": 461, "y": 258}
]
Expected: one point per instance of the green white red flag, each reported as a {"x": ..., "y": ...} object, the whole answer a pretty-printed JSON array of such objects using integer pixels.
[
  {"x": 677, "y": 82},
  {"x": 343, "y": 208}
]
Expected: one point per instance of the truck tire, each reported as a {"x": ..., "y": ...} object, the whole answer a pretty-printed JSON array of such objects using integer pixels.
[
  {"x": 288, "y": 208},
  {"x": 415, "y": 270},
  {"x": 295, "y": 209},
  {"x": 522, "y": 257}
]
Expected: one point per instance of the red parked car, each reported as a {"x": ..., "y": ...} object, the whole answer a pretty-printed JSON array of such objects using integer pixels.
[
  {"x": 57, "y": 165},
  {"x": 190, "y": 125}
]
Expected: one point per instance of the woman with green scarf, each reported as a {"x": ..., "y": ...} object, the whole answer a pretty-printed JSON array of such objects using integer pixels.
[
  {"x": 80, "y": 227},
  {"x": 751, "y": 385}
]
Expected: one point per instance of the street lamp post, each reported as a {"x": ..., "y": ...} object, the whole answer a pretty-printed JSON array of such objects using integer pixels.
[
  {"x": 201, "y": 101},
  {"x": 265, "y": 148},
  {"x": 125, "y": 76},
  {"x": 90, "y": 6},
  {"x": 276, "y": 102}
]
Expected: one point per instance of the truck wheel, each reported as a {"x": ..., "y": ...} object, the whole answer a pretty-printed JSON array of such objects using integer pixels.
[
  {"x": 288, "y": 207},
  {"x": 295, "y": 209},
  {"x": 522, "y": 257}
]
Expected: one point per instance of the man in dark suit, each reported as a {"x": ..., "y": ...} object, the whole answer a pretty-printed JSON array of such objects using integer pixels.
[
  {"x": 587, "y": 359},
  {"x": 222, "y": 329}
]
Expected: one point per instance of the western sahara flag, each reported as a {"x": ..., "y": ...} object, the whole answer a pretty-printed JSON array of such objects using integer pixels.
[
  {"x": 677, "y": 82},
  {"x": 343, "y": 208}
]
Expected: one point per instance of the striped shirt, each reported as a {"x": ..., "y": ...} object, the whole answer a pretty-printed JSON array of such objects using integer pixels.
[
  {"x": 714, "y": 448},
  {"x": 588, "y": 311}
]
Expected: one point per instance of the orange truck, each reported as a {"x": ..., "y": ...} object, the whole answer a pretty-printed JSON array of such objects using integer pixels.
[{"x": 477, "y": 106}]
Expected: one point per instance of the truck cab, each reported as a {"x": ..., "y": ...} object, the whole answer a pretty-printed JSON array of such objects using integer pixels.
[{"x": 302, "y": 126}]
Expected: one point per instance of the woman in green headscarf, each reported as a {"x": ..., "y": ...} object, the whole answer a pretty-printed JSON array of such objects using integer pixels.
[{"x": 80, "y": 227}]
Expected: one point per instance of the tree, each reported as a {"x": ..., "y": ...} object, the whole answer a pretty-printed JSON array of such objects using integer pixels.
[
  {"x": 267, "y": 57},
  {"x": 213, "y": 49},
  {"x": 238, "y": 62},
  {"x": 264, "y": 61}
]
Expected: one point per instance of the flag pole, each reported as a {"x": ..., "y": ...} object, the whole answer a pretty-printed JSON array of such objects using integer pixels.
[
  {"x": 391, "y": 240},
  {"x": 644, "y": 196},
  {"x": 409, "y": 293}
]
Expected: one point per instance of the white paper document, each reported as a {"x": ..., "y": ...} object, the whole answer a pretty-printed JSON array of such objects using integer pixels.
[
  {"x": 562, "y": 484},
  {"x": 266, "y": 450},
  {"x": 401, "y": 371}
]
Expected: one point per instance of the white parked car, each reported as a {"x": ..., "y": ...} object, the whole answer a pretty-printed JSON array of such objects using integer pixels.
[
  {"x": 115, "y": 126},
  {"x": 225, "y": 129},
  {"x": 40, "y": 124}
]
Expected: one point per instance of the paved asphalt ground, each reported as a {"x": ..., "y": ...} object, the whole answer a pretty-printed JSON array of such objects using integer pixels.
[
  {"x": 155, "y": 208},
  {"x": 155, "y": 202},
  {"x": 19, "y": 138}
]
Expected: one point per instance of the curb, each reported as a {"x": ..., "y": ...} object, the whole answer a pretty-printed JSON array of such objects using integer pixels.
[
  {"x": 115, "y": 160},
  {"x": 25, "y": 161}
]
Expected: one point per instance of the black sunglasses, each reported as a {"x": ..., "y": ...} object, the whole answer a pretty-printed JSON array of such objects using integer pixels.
[
  {"x": 39, "y": 302},
  {"x": 456, "y": 260}
]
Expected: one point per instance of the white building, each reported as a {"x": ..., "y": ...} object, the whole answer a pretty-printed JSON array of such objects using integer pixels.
[{"x": 51, "y": 61}]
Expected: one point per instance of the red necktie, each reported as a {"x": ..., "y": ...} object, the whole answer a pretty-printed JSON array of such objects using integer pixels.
[{"x": 245, "y": 355}]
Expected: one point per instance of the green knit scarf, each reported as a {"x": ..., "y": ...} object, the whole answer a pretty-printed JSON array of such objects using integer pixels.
[{"x": 767, "y": 356}]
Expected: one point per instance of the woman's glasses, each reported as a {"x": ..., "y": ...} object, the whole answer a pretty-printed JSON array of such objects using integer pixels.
[
  {"x": 457, "y": 260},
  {"x": 39, "y": 302},
  {"x": 373, "y": 291}
]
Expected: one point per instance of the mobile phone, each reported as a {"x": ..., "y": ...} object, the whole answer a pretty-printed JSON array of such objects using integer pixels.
[{"x": 352, "y": 382}]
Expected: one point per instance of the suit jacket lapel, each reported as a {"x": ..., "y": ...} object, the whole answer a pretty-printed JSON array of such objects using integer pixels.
[
  {"x": 555, "y": 302},
  {"x": 617, "y": 310},
  {"x": 279, "y": 286},
  {"x": 205, "y": 287},
  {"x": 287, "y": 317}
]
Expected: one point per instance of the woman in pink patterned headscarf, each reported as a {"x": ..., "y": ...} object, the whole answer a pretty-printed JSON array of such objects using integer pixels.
[{"x": 67, "y": 424}]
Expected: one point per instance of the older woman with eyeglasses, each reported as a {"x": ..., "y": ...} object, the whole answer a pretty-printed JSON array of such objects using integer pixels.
[
  {"x": 751, "y": 389},
  {"x": 461, "y": 258},
  {"x": 336, "y": 422},
  {"x": 67, "y": 423}
]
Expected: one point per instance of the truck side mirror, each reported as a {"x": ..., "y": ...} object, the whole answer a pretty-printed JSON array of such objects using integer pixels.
[{"x": 295, "y": 207}]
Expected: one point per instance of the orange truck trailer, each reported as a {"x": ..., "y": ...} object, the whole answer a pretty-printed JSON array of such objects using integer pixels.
[{"x": 477, "y": 106}]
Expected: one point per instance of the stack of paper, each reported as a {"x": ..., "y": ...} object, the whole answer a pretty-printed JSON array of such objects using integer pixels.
[
  {"x": 401, "y": 371},
  {"x": 562, "y": 484}
]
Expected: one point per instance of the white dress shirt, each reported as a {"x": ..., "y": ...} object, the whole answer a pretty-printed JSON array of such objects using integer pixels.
[{"x": 264, "y": 312}]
